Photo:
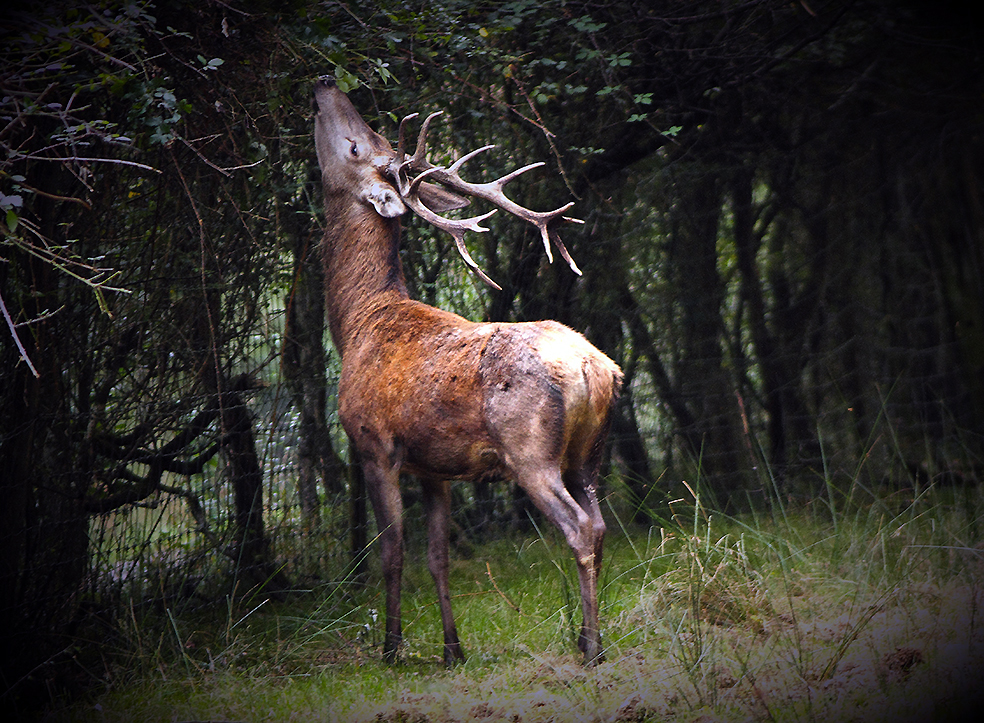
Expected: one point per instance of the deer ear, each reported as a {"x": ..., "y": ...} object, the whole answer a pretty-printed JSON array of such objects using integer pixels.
[
  {"x": 385, "y": 200},
  {"x": 438, "y": 200}
]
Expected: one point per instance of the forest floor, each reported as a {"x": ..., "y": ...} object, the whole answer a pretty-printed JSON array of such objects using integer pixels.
[{"x": 876, "y": 614}]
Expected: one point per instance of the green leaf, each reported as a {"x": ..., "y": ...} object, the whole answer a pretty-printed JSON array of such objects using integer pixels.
[
  {"x": 13, "y": 201},
  {"x": 585, "y": 24},
  {"x": 12, "y": 220},
  {"x": 346, "y": 81}
]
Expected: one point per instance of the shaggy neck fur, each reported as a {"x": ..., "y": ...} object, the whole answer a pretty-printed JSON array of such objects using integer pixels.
[{"x": 361, "y": 257}]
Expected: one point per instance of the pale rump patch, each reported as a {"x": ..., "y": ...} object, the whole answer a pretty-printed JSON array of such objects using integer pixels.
[{"x": 588, "y": 377}]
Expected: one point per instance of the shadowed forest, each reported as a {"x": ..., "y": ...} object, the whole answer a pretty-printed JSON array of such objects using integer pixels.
[{"x": 782, "y": 247}]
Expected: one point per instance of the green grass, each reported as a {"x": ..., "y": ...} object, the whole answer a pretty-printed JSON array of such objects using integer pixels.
[{"x": 866, "y": 607}]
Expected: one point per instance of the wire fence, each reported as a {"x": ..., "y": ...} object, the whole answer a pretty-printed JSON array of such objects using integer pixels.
[
  {"x": 158, "y": 552},
  {"x": 888, "y": 411}
]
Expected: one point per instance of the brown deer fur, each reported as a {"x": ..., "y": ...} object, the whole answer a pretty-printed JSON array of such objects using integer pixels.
[{"x": 427, "y": 392}]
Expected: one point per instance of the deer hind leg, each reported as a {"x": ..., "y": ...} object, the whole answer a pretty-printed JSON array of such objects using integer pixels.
[
  {"x": 383, "y": 485},
  {"x": 578, "y": 517},
  {"x": 581, "y": 485},
  {"x": 437, "y": 502}
]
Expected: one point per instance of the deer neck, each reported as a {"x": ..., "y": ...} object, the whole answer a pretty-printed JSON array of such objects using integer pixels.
[{"x": 361, "y": 257}]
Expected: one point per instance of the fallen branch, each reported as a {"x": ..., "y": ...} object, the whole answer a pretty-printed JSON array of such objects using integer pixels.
[{"x": 514, "y": 606}]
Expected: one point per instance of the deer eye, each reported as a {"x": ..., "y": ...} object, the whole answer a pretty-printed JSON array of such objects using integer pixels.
[{"x": 354, "y": 150}]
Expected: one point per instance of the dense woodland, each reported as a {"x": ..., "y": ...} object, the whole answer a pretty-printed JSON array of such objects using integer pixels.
[{"x": 783, "y": 248}]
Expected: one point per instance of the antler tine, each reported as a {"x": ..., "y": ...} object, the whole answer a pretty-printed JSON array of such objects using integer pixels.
[
  {"x": 418, "y": 161},
  {"x": 469, "y": 224},
  {"x": 401, "y": 141},
  {"x": 453, "y": 169},
  {"x": 459, "y": 240},
  {"x": 420, "y": 152},
  {"x": 414, "y": 184},
  {"x": 565, "y": 254},
  {"x": 501, "y": 183}
]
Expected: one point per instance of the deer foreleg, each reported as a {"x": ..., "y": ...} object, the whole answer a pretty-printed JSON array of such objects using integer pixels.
[
  {"x": 437, "y": 500},
  {"x": 384, "y": 492}
]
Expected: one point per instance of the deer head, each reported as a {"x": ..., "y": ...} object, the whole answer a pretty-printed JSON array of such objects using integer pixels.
[{"x": 356, "y": 159}]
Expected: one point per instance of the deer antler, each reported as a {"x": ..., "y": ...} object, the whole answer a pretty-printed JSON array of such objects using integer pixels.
[{"x": 491, "y": 191}]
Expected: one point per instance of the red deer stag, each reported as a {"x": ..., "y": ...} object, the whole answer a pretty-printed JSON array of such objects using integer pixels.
[{"x": 427, "y": 392}]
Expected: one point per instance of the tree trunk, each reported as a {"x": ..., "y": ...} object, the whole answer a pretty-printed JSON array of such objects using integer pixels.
[
  {"x": 246, "y": 477},
  {"x": 629, "y": 446},
  {"x": 44, "y": 544},
  {"x": 787, "y": 419},
  {"x": 703, "y": 383},
  {"x": 305, "y": 372},
  {"x": 358, "y": 515}
]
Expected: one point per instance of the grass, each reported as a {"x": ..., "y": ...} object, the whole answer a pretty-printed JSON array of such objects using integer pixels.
[{"x": 863, "y": 607}]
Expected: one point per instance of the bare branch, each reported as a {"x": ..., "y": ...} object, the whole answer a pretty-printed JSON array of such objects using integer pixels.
[
  {"x": 32, "y": 157},
  {"x": 13, "y": 332}
]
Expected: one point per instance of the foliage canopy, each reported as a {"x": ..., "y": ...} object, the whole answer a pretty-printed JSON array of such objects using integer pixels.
[{"x": 783, "y": 249}]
